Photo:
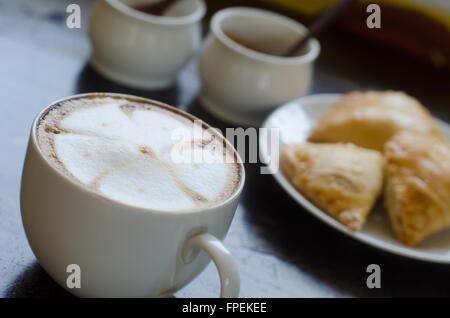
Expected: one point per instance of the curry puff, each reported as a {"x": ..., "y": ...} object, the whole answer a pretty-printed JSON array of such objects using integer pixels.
[
  {"x": 417, "y": 192},
  {"x": 342, "y": 179},
  {"x": 370, "y": 119}
]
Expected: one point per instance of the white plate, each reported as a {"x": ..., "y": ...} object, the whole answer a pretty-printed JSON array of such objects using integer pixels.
[{"x": 295, "y": 121}]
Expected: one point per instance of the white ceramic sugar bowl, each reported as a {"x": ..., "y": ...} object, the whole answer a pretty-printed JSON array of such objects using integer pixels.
[{"x": 241, "y": 85}]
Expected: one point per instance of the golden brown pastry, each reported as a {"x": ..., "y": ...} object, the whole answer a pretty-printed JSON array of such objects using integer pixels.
[
  {"x": 371, "y": 118},
  {"x": 342, "y": 179},
  {"x": 417, "y": 193}
]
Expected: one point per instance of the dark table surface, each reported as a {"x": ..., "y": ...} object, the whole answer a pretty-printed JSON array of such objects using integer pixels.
[{"x": 281, "y": 250}]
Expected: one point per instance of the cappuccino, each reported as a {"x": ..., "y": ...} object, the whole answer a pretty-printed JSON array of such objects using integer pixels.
[{"x": 123, "y": 149}]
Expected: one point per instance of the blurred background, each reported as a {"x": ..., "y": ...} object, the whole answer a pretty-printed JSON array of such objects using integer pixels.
[
  {"x": 41, "y": 60},
  {"x": 415, "y": 28},
  {"x": 410, "y": 52}
]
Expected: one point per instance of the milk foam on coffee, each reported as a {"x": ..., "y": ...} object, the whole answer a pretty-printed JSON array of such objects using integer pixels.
[{"x": 122, "y": 149}]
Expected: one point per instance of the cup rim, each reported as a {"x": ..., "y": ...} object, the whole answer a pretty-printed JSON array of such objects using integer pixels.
[
  {"x": 127, "y": 10},
  {"x": 237, "y": 192},
  {"x": 311, "y": 55}
]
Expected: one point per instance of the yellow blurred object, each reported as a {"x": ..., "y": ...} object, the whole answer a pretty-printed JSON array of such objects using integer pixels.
[
  {"x": 419, "y": 28},
  {"x": 438, "y": 10},
  {"x": 309, "y": 8}
]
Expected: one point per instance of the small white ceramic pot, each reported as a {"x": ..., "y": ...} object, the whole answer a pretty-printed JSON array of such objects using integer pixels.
[
  {"x": 242, "y": 85},
  {"x": 141, "y": 50}
]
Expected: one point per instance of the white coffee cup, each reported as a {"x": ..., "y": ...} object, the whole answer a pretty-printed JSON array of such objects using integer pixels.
[
  {"x": 122, "y": 251},
  {"x": 242, "y": 85},
  {"x": 142, "y": 50}
]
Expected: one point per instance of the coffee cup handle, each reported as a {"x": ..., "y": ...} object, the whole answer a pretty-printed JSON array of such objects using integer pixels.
[{"x": 222, "y": 258}]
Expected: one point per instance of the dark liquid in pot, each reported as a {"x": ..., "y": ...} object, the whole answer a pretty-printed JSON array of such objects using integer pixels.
[
  {"x": 157, "y": 8},
  {"x": 236, "y": 38}
]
